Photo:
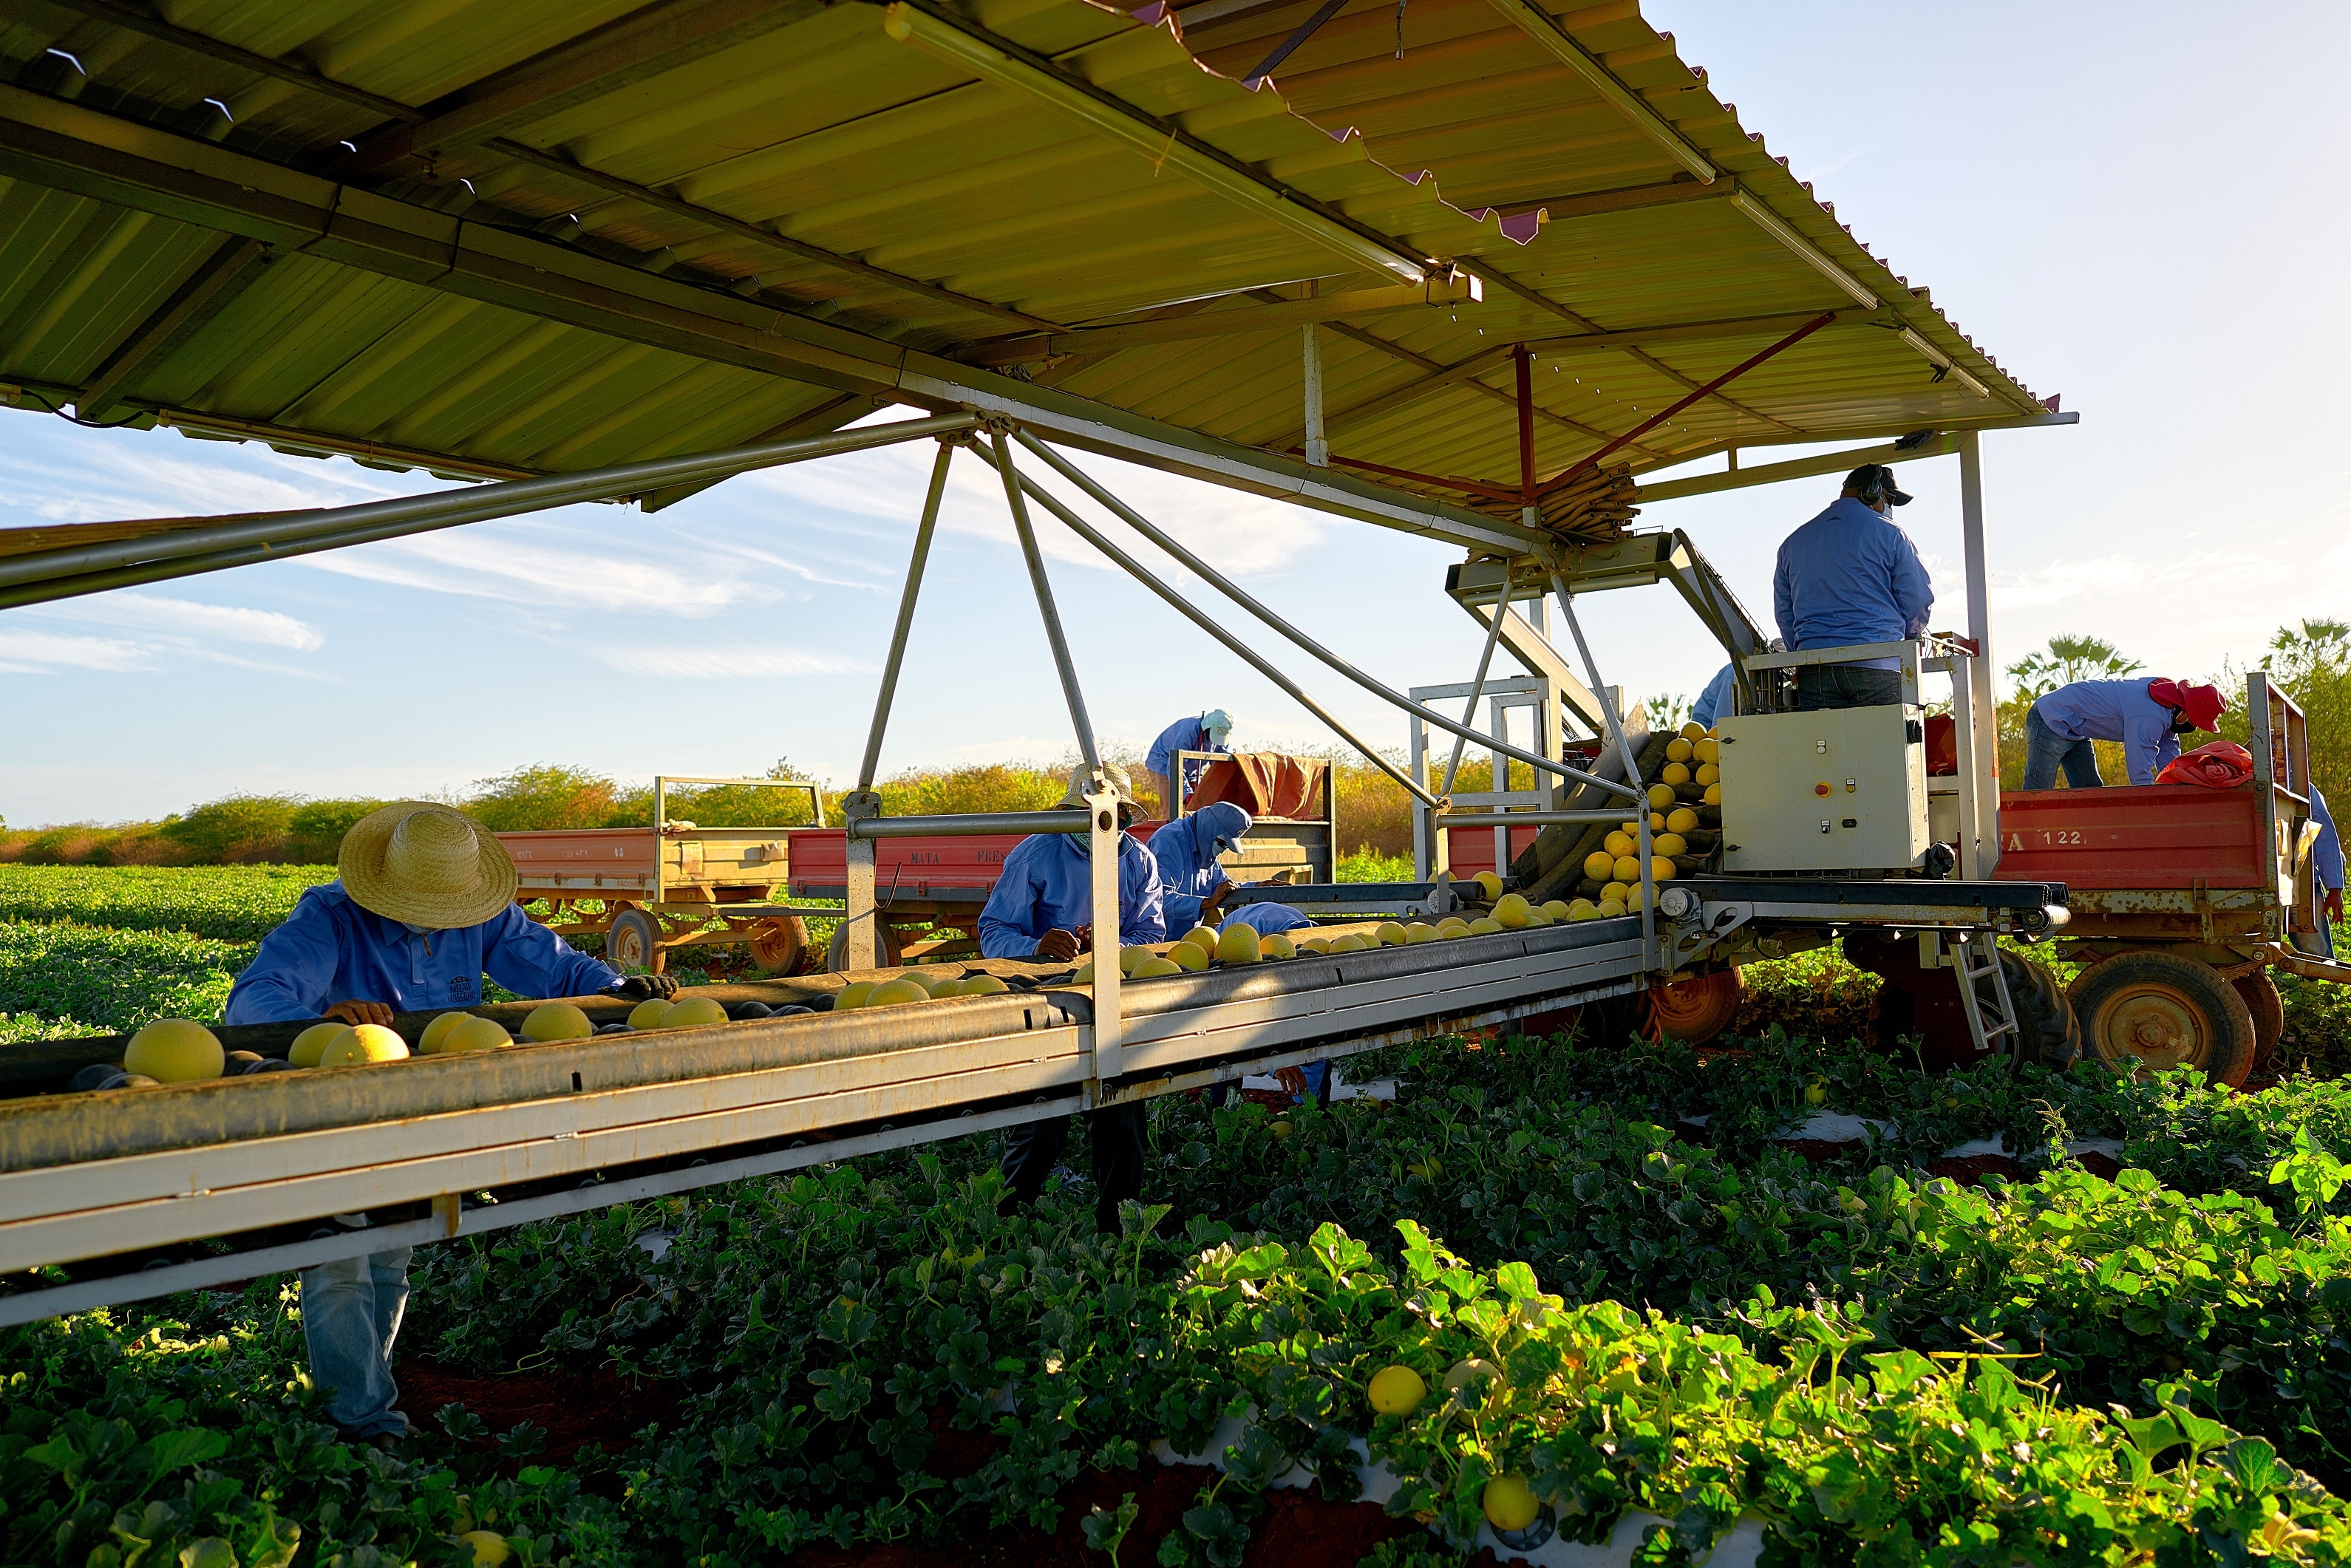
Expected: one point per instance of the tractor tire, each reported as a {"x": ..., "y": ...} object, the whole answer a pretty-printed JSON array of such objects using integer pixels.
[
  {"x": 2052, "y": 1034},
  {"x": 779, "y": 946},
  {"x": 2262, "y": 1001},
  {"x": 2152, "y": 1009},
  {"x": 889, "y": 951},
  {"x": 632, "y": 943},
  {"x": 1697, "y": 1009}
]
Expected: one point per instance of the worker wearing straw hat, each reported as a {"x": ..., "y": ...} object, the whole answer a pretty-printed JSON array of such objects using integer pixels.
[{"x": 423, "y": 905}]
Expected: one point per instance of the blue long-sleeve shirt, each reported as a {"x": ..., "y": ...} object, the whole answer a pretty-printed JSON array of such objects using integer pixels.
[
  {"x": 2326, "y": 854},
  {"x": 1183, "y": 735},
  {"x": 1715, "y": 702},
  {"x": 1048, "y": 885},
  {"x": 1186, "y": 853},
  {"x": 2114, "y": 710},
  {"x": 330, "y": 950},
  {"x": 1850, "y": 576},
  {"x": 1269, "y": 919}
]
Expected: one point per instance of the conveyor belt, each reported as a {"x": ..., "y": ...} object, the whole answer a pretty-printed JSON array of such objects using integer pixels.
[
  {"x": 137, "y": 1178},
  {"x": 121, "y": 1173}
]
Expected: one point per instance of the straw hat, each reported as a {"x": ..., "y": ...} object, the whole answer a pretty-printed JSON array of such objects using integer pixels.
[
  {"x": 1074, "y": 797},
  {"x": 425, "y": 865}
]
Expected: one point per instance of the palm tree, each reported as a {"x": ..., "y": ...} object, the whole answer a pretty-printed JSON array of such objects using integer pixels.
[{"x": 2069, "y": 659}]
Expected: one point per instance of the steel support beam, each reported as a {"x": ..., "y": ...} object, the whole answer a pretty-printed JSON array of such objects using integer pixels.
[
  {"x": 68, "y": 147},
  {"x": 1539, "y": 24},
  {"x": 1795, "y": 468},
  {"x": 1063, "y": 666},
  {"x": 1805, "y": 250},
  {"x": 207, "y": 290},
  {"x": 905, "y": 623},
  {"x": 1864, "y": 430},
  {"x": 637, "y": 47},
  {"x": 1984, "y": 707},
  {"x": 1004, "y": 64},
  {"x": 1436, "y": 293}
]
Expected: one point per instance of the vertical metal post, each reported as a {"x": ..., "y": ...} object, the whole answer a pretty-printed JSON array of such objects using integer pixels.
[
  {"x": 1318, "y": 448},
  {"x": 1963, "y": 724},
  {"x": 1060, "y": 646},
  {"x": 661, "y": 833},
  {"x": 1985, "y": 789},
  {"x": 1524, "y": 363},
  {"x": 1607, "y": 696},
  {"x": 1102, "y": 835},
  {"x": 861, "y": 948},
  {"x": 1478, "y": 684},
  {"x": 905, "y": 616}
]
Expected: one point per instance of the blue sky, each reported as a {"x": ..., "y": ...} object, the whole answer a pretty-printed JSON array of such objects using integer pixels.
[{"x": 2130, "y": 205}]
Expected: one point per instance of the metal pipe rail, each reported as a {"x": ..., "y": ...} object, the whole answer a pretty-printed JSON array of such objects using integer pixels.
[{"x": 973, "y": 824}]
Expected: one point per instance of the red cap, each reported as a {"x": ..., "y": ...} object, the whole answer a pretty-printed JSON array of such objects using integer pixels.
[{"x": 2203, "y": 704}]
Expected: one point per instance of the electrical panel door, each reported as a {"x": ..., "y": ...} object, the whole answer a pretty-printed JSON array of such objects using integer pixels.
[{"x": 1841, "y": 789}]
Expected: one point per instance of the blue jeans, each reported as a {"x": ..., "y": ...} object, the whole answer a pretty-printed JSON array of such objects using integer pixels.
[
  {"x": 1845, "y": 685},
  {"x": 2046, "y": 751},
  {"x": 350, "y": 1314}
]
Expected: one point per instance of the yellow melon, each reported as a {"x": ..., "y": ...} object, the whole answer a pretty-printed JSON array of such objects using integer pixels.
[
  {"x": 1484, "y": 925},
  {"x": 650, "y": 1014},
  {"x": 311, "y": 1041},
  {"x": 1278, "y": 945},
  {"x": 1675, "y": 773},
  {"x": 982, "y": 986},
  {"x": 1708, "y": 773},
  {"x": 1610, "y": 908},
  {"x": 1488, "y": 884},
  {"x": 1660, "y": 869},
  {"x": 1511, "y": 910},
  {"x": 1390, "y": 933},
  {"x": 1671, "y": 844},
  {"x": 1620, "y": 842},
  {"x": 1629, "y": 869},
  {"x": 1707, "y": 750},
  {"x": 1600, "y": 865},
  {"x": 474, "y": 1034},
  {"x": 1203, "y": 937},
  {"x": 429, "y": 1043},
  {"x": 700, "y": 1012},
  {"x": 1419, "y": 932},
  {"x": 946, "y": 983},
  {"x": 1677, "y": 749},
  {"x": 1584, "y": 909},
  {"x": 557, "y": 1020},
  {"x": 1239, "y": 945},
  {"x": 1680, "y": 820},
  {"x": 852, "y": 995},
  {"x": 1556, "y": 908},
  {"x": 1693, "y": 730},
  {"x": 1349, "y": 943},
  {"x": 1615, "y": 890},
  {"x": 365, "y": 1042},
  {"x": 179, "y": 1051},
  {"x": 896, "y": 993},
  {"x": 1714, "y": 794},
  {"x": 1154, "y": 967},
  {"x": 1188, "y": 955},
  {"x": 1661, "y": 796}
]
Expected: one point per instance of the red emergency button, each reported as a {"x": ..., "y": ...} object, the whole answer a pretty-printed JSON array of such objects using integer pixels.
[{"x": 1820, "y": 789}]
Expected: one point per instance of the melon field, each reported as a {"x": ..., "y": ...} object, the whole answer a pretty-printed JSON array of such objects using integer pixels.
[{"x": 1782, "y": 1301}]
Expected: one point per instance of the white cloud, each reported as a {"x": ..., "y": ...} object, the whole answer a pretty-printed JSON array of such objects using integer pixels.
[
  {"x": 585, "y": 575},
  {"x": 40, "y": 653},
  {"x": 714, "y": 664},
  {"x": 230, "y": 624}
]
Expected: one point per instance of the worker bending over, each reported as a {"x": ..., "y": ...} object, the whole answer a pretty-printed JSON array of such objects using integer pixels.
[
  {"x": 421, "y": 907},
  {"x": 1193, "y": 885},
  {"x": 2147, "y": 716},
  {"x": 1043, "y": 909},
  {"x": 1850, "y": 577},
  {"x": 1206, "y": 733},
  {"x": 2326, "y": 873}
]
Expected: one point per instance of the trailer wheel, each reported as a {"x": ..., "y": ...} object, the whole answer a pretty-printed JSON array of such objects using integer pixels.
[
  {"x": 889, "y": 948},
  {"x": 632, "y": 942},
  {"x": 779, "y": 946},
  {"x": 1696, "y": 1010},
  {"x": 2156, "y": 1009},
  {"x": 2262, "y": 1001}
]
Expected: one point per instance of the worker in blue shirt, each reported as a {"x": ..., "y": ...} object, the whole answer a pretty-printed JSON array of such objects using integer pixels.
[
  {"x": 1718, "y": 699},
  {"x": 1191, "y": 882},
  {"x": 1206, "y": 733},
  {"x": 2147, "y": 716},
  {"x": 423, "y": 905},
  {"x": 2326, "y": 871},
  {"x": 1042, "y": 908},
  {"x": 1850, "y": 577}
]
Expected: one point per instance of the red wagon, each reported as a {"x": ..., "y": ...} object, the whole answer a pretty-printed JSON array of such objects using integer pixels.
[{"x": 2182, "y": 900}]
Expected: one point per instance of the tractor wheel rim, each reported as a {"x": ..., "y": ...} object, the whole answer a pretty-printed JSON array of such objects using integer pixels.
[{"x": 2156, "y": 1026}]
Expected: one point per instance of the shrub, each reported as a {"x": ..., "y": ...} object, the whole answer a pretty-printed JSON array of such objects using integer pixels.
[
  {"x": 315, "y": 831},
  {"x": 236, "y": 828},
  {"x": 542, "y": 796}
]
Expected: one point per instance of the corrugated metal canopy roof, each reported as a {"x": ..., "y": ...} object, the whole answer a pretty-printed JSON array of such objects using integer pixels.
[{"x": 505, "y": 236}]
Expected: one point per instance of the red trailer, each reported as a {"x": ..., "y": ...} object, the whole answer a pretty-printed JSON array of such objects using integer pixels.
[{"x": 2182, "y": 899}]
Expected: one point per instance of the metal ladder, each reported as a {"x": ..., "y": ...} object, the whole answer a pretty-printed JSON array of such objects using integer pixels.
[{"x": 1992, "y": 1022}]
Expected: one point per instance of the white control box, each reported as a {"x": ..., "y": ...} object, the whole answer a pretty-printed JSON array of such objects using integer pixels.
[{"x": 1836, "y": 790}]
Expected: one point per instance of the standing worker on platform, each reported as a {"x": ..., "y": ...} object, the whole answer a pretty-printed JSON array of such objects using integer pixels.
[
  {"x": 2147, "y": 716},
  {"x": 1851, "y": 577},
  {"x": 421, "y": 907},
  {"x": 1206, "y": 733},
  {"x": 1043, "y": 909}
]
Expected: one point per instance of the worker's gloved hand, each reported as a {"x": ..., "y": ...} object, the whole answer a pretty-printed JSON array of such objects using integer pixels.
[
  {"x": 1057, "y": 947},
  {"x": 643, "y": 987},
  {"x": 1214, "y": 902},
  {"x": 359, "y": 1012}
]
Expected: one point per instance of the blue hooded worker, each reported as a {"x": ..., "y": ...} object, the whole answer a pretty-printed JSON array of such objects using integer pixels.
[
  {"x": 1042, "y": 908},
  {"x": 1193, "y": 885},
  {"x": 2147, "y": 716},
  {"x": 1850, "y": 576},
  {"x": 1717, "y": 701},
  {"x": 423, "y": 906},
  {"x": 1209, "y": 732}
]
